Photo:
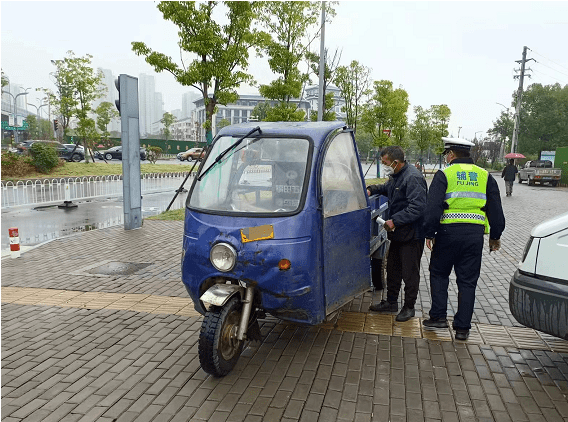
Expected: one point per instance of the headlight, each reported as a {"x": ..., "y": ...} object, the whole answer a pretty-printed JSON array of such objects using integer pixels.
[{"x": 223, "y": 257}]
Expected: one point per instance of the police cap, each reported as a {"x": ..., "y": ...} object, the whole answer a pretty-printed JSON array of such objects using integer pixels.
[{"x": 456, "y": 144}]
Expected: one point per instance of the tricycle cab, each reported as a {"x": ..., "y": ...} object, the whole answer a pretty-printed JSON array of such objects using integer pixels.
[{"x": 279, "y": 211}]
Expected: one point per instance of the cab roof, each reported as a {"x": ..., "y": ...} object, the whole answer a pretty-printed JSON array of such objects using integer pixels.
[{"x": 318, "y": 131}]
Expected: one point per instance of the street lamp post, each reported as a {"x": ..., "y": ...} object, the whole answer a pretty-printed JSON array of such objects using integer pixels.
[{"x": 15, "y": 111}]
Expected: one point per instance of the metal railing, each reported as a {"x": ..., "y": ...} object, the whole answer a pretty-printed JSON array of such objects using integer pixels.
[{"x": 25, "y": 193}]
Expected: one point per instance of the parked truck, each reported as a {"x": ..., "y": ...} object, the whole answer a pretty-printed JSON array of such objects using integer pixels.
[{"x": 539, "y": 171}]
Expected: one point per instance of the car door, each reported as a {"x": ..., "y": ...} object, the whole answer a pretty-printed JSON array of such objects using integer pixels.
[{"x": 346, "y": 223}]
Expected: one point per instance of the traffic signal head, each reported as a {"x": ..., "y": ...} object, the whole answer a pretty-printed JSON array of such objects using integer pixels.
[
  {"x": 55, "y": 125},
  {"x": 117, "y": 102}
]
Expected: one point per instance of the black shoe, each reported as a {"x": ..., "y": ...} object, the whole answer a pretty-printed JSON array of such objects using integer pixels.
[
  {"x": 462, "y": 334},
  {"x": 405, "y": 314},
  {"x": 435, "y": 323},
  {"x": 384, "y": 306}
]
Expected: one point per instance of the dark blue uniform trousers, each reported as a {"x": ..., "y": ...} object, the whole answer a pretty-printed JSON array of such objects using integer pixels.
[{"x": 460, "y": 248}]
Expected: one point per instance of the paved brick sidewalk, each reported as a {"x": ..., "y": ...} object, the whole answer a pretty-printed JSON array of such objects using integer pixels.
[{"x": 70, "y": 364}]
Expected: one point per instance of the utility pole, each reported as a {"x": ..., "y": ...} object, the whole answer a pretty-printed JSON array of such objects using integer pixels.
[
  {"x": 321, "y": 100},
  {"x": 519, "y": 97}
]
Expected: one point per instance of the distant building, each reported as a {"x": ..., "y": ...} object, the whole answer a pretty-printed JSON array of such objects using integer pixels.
[
  {"x": 238, "y": 112},
  {"x": 185, "y": 130},
  {"x": 187, "y": 104},
  {"x": 111, "y": 94},
  {"x": 312, "y": 95},
  {"x": 146, "y": 103}
]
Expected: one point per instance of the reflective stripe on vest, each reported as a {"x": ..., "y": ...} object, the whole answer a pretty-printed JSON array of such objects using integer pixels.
[{"x": 465, "y": 194}]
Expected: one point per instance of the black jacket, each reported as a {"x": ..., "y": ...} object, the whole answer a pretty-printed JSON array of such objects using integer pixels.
[
  {"x": 437, "y": 203},
  {"x": 509, "y": 172},
  {"x": 407, "y": 191}
]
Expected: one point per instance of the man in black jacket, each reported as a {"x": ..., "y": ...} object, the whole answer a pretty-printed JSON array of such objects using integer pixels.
[
  {"x": 462, "y": 199},
  {"x": 509, "y": 173},
  {"x": 406, "y": 190}
]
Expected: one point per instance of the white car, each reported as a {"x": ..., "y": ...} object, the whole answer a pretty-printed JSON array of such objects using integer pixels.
[{"x": 538, "y": 294}]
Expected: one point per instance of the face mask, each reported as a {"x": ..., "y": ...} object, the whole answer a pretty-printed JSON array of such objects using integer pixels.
[{"x": 389, "y": 170}]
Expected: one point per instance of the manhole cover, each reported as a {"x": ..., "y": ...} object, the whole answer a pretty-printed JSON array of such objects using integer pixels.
[{"x": 118, "y": 268}]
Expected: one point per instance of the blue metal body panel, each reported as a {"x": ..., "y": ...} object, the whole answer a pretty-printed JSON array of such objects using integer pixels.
[{"x": 330, "y": 258}]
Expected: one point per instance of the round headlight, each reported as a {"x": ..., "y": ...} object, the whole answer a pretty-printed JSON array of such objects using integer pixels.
[{"x": 223, "y": 257}]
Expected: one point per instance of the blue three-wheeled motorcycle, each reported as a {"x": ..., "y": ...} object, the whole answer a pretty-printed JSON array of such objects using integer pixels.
[{"x": 277, "y": 221}]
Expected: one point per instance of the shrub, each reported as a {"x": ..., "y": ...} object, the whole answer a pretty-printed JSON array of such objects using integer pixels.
[
  {"x": 15, "y": 165},
  {"x": 153, "y": 154},
  {"x": 44, "y": 157}
]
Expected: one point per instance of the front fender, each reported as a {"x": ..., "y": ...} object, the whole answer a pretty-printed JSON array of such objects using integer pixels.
[{"x": 219, "y": 294}]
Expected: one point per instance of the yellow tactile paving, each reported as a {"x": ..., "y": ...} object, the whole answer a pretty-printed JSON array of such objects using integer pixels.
[{"x": 357, "y": 322}]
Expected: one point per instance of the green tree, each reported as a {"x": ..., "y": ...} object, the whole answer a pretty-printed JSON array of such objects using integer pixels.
[
  {"x": 544, "y": 118},
  {"x": 33, "y": 127},
  {"x": 440, "y": 115},
  {"x": 39, "y": 129},
  {"x": 354, "y": 83},
  {"x": 503, "y": 129},
  {"x": 222, "y": 123},
  {"x": 220, "y": 51},
  {"x": 45, "y": 129},
  {"x": 105, "y": 112},
  {"x": 421, "y": 132},
  {"x": 386, "y": 110},
  {"x": 328, "y": 113},
  {"x": 260, "y": 111},
  {"x": 364, "y": 141},
  {"x": 288, "y": 23},
  {"x": 167, "y": 120},
  {"x": 4, "y": 80},
  {"x": 78, "y": 85}
]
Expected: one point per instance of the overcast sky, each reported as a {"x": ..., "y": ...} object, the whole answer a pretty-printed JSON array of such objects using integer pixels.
[{"x": 457, "y": 53}]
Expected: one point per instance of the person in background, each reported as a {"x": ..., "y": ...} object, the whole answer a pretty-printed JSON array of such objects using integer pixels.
[
  {"x": 462, "y": 199},
  {"x": 406, "y": 190},
  {"x": 509, "y": 173}
]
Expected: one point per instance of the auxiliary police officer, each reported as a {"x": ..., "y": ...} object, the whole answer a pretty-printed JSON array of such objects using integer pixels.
[{"x": 463, "y": 203}]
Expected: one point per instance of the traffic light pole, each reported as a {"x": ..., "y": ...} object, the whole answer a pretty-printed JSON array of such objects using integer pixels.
[{"x": 127, "y": 105}]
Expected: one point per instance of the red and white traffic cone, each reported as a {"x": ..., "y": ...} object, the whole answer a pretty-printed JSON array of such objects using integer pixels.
[{"x": 14, "y": 242}]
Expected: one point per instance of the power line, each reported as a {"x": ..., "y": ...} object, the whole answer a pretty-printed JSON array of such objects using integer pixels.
[
  {"x": 545, "y": 74},
  {"x": 566, "y": 74},
  {"x": 558, "y": 64}
]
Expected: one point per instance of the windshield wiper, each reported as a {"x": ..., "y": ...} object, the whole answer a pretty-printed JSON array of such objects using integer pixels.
[{"x": 220, "y": 156}]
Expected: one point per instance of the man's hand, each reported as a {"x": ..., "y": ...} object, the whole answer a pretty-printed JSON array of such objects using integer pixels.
[
  {"x": 430, "y": 243},
  {"x": 494, "y": 245},
  {"x": 389, "y": 226}
]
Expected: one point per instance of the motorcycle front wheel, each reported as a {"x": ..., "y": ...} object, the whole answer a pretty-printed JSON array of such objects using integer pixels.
[{"x": 219, "y": 348}]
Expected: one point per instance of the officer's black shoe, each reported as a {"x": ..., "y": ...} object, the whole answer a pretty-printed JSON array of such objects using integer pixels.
[
  {"x": 462, "y": 334},
  {"x": 405, "y": 314},
  {"x": 384, "y": 306},
  {"x": 435, "y": 323}
]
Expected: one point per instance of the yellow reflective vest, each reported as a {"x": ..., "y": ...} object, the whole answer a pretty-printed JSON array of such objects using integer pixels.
[{"x": 466, "y": 195}]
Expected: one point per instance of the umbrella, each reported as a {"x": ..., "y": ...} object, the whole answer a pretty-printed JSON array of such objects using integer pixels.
[{"x": 514, "y": 155}]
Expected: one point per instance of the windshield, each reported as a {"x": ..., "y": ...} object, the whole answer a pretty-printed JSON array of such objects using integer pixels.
[{"x": 261, "y": 175}]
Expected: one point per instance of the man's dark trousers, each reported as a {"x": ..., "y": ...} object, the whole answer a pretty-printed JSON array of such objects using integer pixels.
[
  {"x": 403, "y": 263},
  {"x": 462, "y": 251}
]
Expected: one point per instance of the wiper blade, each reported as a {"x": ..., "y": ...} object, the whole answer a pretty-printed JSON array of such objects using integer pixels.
[{"x": 220, "y": 156}]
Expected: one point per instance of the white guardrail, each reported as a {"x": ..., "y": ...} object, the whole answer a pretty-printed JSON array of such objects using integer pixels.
[{"x": 25, "y": 193}]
